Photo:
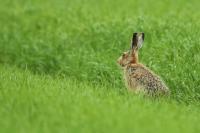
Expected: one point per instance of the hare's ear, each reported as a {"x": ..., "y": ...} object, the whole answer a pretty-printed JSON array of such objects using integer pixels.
[{"x": 137, "y": 40}]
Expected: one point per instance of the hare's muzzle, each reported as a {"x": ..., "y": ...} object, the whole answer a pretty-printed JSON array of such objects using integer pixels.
[{"x": 119, "y": 61}]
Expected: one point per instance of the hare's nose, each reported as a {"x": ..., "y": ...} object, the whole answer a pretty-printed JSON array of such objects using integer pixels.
[{"x": 118, "y": 61}]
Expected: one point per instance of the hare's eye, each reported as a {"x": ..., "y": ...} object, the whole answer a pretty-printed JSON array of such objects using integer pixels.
[{"x": 123, "y": 55}]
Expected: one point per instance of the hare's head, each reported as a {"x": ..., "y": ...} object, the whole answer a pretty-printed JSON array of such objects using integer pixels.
[{"x": 131, "y": 56}]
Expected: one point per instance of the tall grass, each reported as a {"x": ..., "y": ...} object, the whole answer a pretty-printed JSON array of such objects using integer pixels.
[
  {"x": 82, "y": 39},
  {"x": 58, "y": 70},
  {"x": 41, "y": 103}
]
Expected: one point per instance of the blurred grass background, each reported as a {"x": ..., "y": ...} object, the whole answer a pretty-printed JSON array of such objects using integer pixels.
[{"x": 80, "y": 40}]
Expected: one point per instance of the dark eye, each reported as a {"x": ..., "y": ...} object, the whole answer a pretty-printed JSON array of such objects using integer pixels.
[{"x": 123, "y": 55}]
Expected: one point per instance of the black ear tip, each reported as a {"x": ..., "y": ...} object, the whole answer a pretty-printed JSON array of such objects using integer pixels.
[
  {"x": 143, "y": 35},
  {"x": 136, "y": 33}
]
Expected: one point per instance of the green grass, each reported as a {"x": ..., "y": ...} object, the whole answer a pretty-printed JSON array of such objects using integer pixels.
[
  {"x": 33, "y": 103},
  {"x": 59, "y": 72}
]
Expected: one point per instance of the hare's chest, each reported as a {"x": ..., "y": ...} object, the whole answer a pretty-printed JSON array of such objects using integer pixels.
[{"x": 131, "y": 80}]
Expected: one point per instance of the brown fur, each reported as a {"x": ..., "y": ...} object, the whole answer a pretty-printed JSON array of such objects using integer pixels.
[{"x": 137, "y": 76}]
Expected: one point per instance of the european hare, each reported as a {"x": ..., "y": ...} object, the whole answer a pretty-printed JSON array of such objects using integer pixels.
[{"x": 137, "y": 76}]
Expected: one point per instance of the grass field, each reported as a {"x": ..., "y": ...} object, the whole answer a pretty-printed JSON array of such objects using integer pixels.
[{"x": 58, "y": 70}]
